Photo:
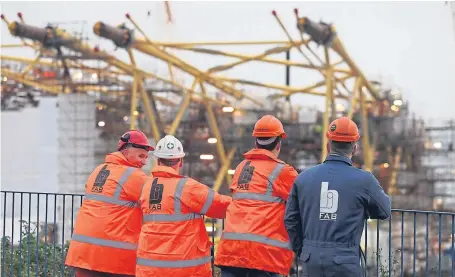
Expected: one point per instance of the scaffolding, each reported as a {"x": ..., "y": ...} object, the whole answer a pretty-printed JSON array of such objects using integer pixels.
[{"x": 214, "y": 115}]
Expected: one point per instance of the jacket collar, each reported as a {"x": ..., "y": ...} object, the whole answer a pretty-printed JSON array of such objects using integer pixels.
[
  {"x": 117, "y": 158},
  {"x": 338, "y": 158},
  {"x": 261, "y": 154},
  {"x": 164, "y": 171}
]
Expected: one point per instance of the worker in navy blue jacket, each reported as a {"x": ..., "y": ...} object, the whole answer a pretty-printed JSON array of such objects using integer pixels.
[{"x": 328, "y": 204}]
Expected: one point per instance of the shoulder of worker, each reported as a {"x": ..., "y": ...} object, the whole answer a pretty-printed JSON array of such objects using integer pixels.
[
  {"x": 288, "y": 171},
  {"x": 192, "y": 182},
  {"x": 368, "y": 179},
  {"x": 137, "y": 175}
]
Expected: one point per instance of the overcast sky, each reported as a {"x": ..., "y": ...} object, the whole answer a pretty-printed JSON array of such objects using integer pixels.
[{"x": 411, "y": 45}]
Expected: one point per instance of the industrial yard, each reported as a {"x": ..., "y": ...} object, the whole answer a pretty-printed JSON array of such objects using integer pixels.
[{"x": 96, "y": 93}]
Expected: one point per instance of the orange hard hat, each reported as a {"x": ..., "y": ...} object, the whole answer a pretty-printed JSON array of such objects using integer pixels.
[
  {"x": 343, "y": 129},
  {"x": 136, "y": 139},
  {"x": 268, "y": 126}
]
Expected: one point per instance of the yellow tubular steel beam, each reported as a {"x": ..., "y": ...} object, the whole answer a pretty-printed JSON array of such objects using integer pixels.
[
  {"x": 31, "y": 65},
  {"x": 274, "y": 50},
  {"x": 151, "y": 115},
  {"x": 152, "y": 50},
  {"x": 216, "y": 131},
  {"x": 337, "y": 46},
  {"x": 129, "y": 69},
  {"x": 316, "y": 85},
  {"x": 272, "y": 86},
  {"x": 298, "y": 47},
  {"x": 111, "y": 60},
  {"x": 70, "y": 64},
  {"x": 171, "y": 72},
  {"x": 223, "y": 170},
  {"x": 32, "y": 83},
  {"x": 57, "y": 88},
  {"x": 264, "y": 59},
  {"x": 393, "y": 176},
  {"x": 136, "y": 82},
  {"x": 355, "y": 96},
  {"x": 325, "y": 127},
  {"x": 185, "y": 102},
  {"x": 25, "y": 60},
  {"x": 328, "y": 105},
  {"x": 329, "y": 85},
  {"x": 12, "y": 45},
  {"x": 217, "y": 43},
  {"x": 367, "y": 159}
]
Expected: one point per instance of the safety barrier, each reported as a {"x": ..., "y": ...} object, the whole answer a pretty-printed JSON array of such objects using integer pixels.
[{"x": 37, "y": 227}]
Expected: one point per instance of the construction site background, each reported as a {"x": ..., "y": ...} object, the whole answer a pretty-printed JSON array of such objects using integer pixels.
[{"x": 70, "y": 100}]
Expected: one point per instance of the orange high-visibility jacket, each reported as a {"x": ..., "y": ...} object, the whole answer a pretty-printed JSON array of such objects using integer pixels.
[
  {"x": 173, "y": 240},
  {"x": 254, "y": 234},
  {"x": 109, "y": 222}
]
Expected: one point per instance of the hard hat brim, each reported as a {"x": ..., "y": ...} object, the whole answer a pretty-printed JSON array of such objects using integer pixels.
[{"x": 168, "y": 157}]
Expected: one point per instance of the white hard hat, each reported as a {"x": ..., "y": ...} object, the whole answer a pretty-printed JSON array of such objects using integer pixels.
[{"x": 169, "y": 147}]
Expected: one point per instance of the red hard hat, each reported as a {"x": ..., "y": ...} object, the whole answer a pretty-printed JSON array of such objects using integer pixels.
[
  {"x": 135, "y": 138},
  {"x": 268, "y": 126},
  {"x": 343, "y": 129}
]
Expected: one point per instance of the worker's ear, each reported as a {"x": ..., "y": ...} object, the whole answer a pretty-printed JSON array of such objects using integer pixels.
[
  {"x": 181, "y": 163},
  {"x": 354, "y": 149},
  {"x": 278, "y": 146}
]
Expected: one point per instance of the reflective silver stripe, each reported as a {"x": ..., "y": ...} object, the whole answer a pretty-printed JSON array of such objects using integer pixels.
[
  {"x": 173, "y": 264},
  {"x": 169, "y": 217},
  {"x": 142, "y": 189},
  {"x": 272, "y": 177},
  {"x": 108, "y": 199},
  {"x": 104, "y": 242},
  {"x": 123, "y": 180},
  {"x": 178, "y": 196},
  {"x": 255, "y": 238},
  {"x": 115, "y": 199},
  {"x": 208, "y": 202},
  {"x": 256, "y": 196}
]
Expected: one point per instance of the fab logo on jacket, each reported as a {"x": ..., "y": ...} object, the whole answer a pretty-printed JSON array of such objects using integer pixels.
[
  {"x": 156, "y": 195},
  {"x": 245, "y": 176},
  {"x": 328, "y": 203}
]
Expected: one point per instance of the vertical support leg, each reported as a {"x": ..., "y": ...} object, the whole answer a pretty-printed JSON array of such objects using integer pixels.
[
  {"x": 329, "y": 105},
  {"x": 367, "y": 153},
  {"x": 214, "y": 127},
  {"x": 151, "y": 115},
  {"x": 133, "y": 111},
  {"x": 355, "y": 96}
]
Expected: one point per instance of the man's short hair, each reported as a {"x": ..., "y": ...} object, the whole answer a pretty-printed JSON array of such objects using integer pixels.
[
  {"x": 125, "y": 146},
  {"x": 341, "y": 148},
  {"x": 268, "y": 146},
  {"x": 168, "y": 162}
]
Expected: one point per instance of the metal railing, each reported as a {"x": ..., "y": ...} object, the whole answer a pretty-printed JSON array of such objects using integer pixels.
[{"x": 37, "y": 227}]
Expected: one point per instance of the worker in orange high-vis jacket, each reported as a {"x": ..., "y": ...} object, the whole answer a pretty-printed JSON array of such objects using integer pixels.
[
  {"x": 174, "y": 240},
  {"x": 254, "y": 241},
  {"x": 108, "y": 224}
]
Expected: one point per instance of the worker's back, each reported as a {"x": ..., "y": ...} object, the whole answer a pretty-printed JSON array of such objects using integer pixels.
[
  {"x": 173, "y": 240},
  {"x": 334, "y": 199},
  {"x": 109, "y": 220},
  {"x": 254, "y": 220}
]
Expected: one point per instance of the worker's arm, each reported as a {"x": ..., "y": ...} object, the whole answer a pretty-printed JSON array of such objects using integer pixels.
[
  {"x": 285, "y": 182},
  {"x": 293, "y": 221},
  {"x": 204, "y": 200},
  {"x": 378, "y": 205}
]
